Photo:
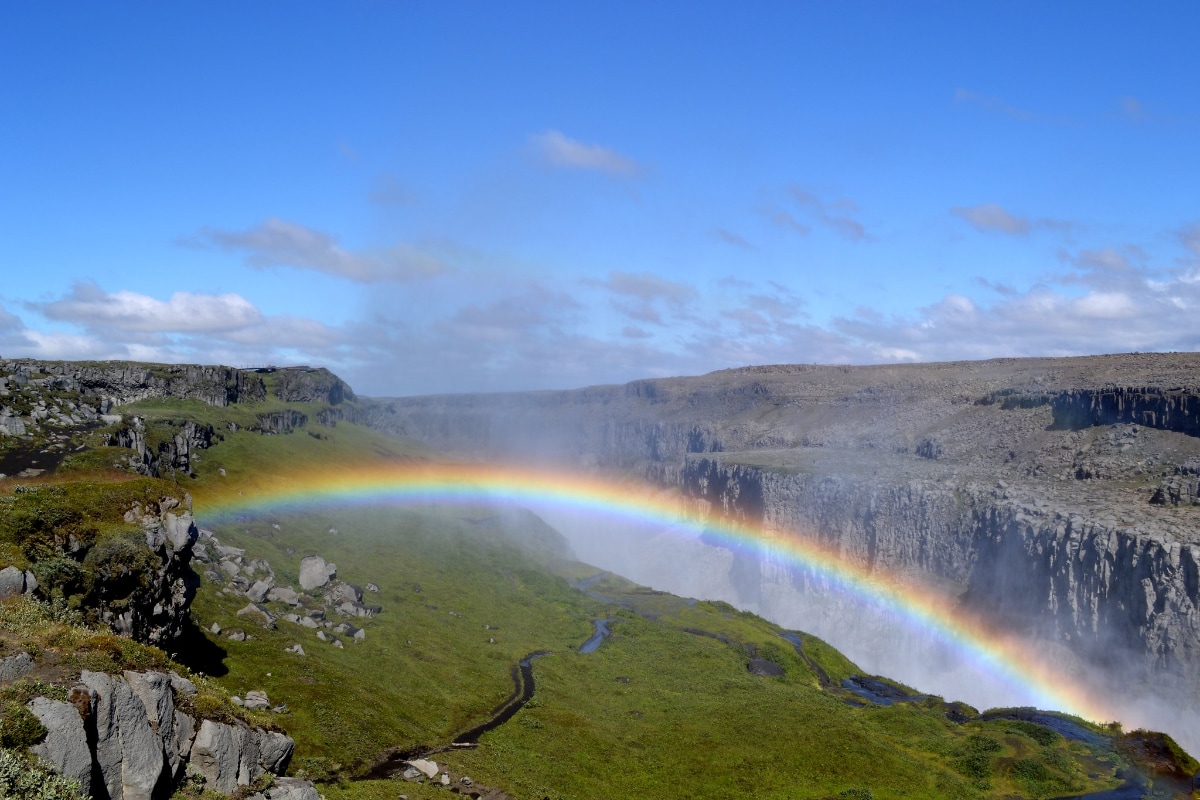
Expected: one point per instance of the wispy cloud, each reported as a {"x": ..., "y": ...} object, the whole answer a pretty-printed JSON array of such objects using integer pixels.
[
  {"x": 991, "y": 217},
  {"x": 1132, "y": 109},
  {"x": 389, "y": 191},
  {"x": 731, "y": 238},
  {"x": 279, "y": 243},
  {"x": 559, "y": 150},
  {"x": 1189, "y": 237},
  {"x": 785, "y": 220},
  {"x": 997, "y": 105},
  {"x": 837, "y": 214}
]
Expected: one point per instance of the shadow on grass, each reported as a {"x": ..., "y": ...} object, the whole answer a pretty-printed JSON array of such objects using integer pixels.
[{"x": 198, "y": 653}]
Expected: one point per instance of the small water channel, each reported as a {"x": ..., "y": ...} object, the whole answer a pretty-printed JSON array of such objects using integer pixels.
[{"x": 601, "y": 633}]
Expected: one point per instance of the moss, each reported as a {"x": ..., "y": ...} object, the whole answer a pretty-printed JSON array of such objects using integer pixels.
[{"x": 19, "y": 728}]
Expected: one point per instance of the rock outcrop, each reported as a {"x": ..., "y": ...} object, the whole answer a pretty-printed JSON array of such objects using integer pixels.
[
  {"x": 156, "y": 610},
  {"x": 125, "y": 738},
  {"x": 307, "y": 385},
  {"x": 176, "y": 454}
]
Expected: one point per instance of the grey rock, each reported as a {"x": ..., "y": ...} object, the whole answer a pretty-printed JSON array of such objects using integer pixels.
[
  {"x": 13, "y": 667},
  {"x": 256, "y": 700},
  {"x": 425, "y": 766},
  {"x": 236, "y": 635},
  {"x": 274, "y": 751},
  {"x": 308, "y": 622},
  {"x": 12, "y": 581},
  {"x": 372, "y": 587},
  {"x": 128, "y": 753},
  {"x": 258, "y": 592},
  {"x": 292, "y": 789},
  {"x": 65, "y": 746},
  {"x": 215, "y": 756},
  {"x": 181, "y": 685},
  {"x": 155, "y": 692},
  {"x": 315, "y": 573},
  {"x": 342, "y": 592},
  {"x": 185, "y": 733},
  {"x": 31, "y": 583},
  {"x": 284, "y": 594},
  {"x": 248, "y": 755}
]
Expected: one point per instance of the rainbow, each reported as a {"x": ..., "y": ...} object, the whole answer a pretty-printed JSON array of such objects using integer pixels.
[{"x": 997, "y": 655}]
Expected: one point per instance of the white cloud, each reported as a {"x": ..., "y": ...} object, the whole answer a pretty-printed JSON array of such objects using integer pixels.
[
  {"x": 991, "y": 217},
  {"x": 561, "y": 151},
  {"x": 89, "y": 306},
  {"x": 279, "y": 243}
]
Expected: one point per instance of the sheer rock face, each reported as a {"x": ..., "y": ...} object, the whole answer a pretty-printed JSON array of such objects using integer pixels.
[
  {"x": 124, "y": 739},
  {"x": 1058, "y": 495}
]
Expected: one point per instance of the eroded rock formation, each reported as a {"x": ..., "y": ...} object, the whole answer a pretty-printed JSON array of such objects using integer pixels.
[{"x": 127, "y": 737}]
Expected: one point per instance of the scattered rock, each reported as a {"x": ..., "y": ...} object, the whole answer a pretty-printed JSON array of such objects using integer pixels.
[
  {"x": 296, "y": 648},
  {"x": 236, "y": 635},
  {"x": 315, "y": 573},
  {"x": 424, "y": 766},
  {"x": 372, "y": 587},
  {"x": 258, "y": 592},
  {"x": 284, "y": 594},
  {"x": 256, "y": 700}
]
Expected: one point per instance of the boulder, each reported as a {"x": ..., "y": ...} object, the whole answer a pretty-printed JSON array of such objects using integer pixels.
[
  {"x": 284, "y": 594},
  {"x": 12, "y": 581},
  {"x": 315, "y": 573},
  {"x": 256, "y": 700},
  {"x": 258, "y": 592},
  {"x": 342, "y": 592},
  {"x": 65, "y": 746}
]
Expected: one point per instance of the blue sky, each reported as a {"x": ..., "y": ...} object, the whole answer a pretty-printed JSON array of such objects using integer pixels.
[{"x": 451, "y": 197}]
